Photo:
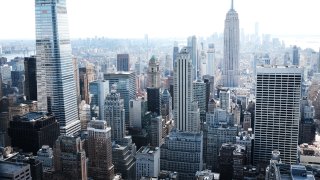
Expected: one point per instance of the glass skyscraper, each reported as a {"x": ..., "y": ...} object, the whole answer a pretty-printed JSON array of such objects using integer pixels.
[{"x": 55, "y": 77}]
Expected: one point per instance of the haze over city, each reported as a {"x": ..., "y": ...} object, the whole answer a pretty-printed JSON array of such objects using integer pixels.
[
  {"x": 166, "y": 18},
  {"x": 159, "y": 89}
]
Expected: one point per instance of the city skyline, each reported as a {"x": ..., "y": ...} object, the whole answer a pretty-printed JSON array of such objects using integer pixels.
[{"x": 170, "y": 19}]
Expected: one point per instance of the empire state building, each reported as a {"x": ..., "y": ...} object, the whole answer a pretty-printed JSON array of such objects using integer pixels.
[{"x": 230, "y": 66}]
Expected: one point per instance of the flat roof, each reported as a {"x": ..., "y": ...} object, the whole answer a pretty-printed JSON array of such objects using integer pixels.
[{"x": 11, "y": 167}]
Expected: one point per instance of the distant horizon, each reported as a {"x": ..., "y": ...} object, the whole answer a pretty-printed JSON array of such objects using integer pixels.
[{"x": 126, "y": 19}]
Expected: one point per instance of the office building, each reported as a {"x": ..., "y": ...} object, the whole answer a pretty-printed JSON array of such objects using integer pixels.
[
  {"x": 166, "y": 104},
  {"x": 84, "y": 115},
  {"x": 123, "y": 159},
  {"x": 4, "y": 125},
  {"x": 154, "y": 80},
  {"x": 230, "y": 66},
  {"x": 114, "y": 114},
  {"x": 99, "y": 150},
  {"x": 225, "y": 99},
  {"x": 137, "y": 109},
  {"x": 70, "y": 160},
  {"x": 246, "y": 124},
  {"x": 154, "y": 100},
  {"x": 184, "y": 106},
  {"x": 14, "y": 171},
  {"x": 126, "y": 86},
  {"x": 123, "y": 62},
  {"x": 45, "y": 155},
  {"x": 278, "y": 170},
  {"x": 55, "y": 78},
  {"x": 156, "y": 131},
  {"x": 32, "y": 130},
  {"x": 175, "y": 53},
  {"x": 30, "y": 83},
  {"x": 200, "y": 96},
  {"x": 295, "y": 56},
  {"x": 193, "y": 51},
  {"x": 182, "y": 152},
  {"x": 277, "y": 113},
  {"x": 211, "y": 65},
  {"x": 99, "y": 90},
  {"x": 86, "y": 75},
  {"x": 35, "y": 165},
  {"x": 147, "y": 162},
  {"x": 18, "y": 80}
]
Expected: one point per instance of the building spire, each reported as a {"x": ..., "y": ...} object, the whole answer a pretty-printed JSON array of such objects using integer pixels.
[{"x": 231, "y": 4}]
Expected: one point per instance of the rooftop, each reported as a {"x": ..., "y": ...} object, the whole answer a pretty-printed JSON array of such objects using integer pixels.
[
  {"x": 32, "y": 116},
  {"x": 148, "y": 150},
  {"x": 11, "y": 167}
]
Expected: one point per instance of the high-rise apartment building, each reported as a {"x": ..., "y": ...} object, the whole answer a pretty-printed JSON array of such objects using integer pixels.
[
  {"x": 55, "y": 78},
  {"x": 123, "y": 62},
  {"x": 99, "y": 150},
  {"x": 114, "y": 114},
  {"x": 230, "y": 66},
  {"x": 277, "y": 113},
  {"x": 184, "y": 106}
]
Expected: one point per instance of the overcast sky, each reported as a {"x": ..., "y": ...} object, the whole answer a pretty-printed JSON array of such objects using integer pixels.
[{"x": 165, "y": 18}]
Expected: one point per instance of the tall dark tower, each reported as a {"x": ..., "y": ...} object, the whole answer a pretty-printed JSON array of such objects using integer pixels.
[
  {"x": 30, "y": 89},
  {"x": 230, "y": 69}
]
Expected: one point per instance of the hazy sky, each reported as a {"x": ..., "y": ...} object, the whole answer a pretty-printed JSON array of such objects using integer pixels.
[{"x": 165, "y": 18}]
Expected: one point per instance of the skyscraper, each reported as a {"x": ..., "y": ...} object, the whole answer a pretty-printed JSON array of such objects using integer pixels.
[
  {"x": 154, "y": 73},
  {"x": 126, "y": 86},
  {"x": 295, "y": 56},
  {"x": 55, "y": 79},
  {"x": 114, "y": 114},
  {"x": 277, "y": 113},
  {"x": 211, "y": 66},
  {"x": 99, "y": 90},
  {"x": 230, "y": 69},
  {"x": 193, "y": 50},
  {"x": 123, "y": 62},
  {"x": 175, "y": 53},
  {"x": 30, "y": 90},
  {"x": 100, "y": 150},
  {"x": 183, "y": 94},
  {"x": 70, "y": 160}
]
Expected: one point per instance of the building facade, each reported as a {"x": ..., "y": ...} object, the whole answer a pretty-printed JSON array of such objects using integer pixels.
[
  {"x": 55, "y": 79},
  {"x": 123, "y": 61},
  {"x": 182, "y": 152},
  {"x": 147, "y": 162},
  {"x": 230, "y": 66},
  {"x": 32, "y": 130},
  {"x": 183, "y": 94},
  {"x": 277, "y": 113},
  {"x": 100, "y": 150}
]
